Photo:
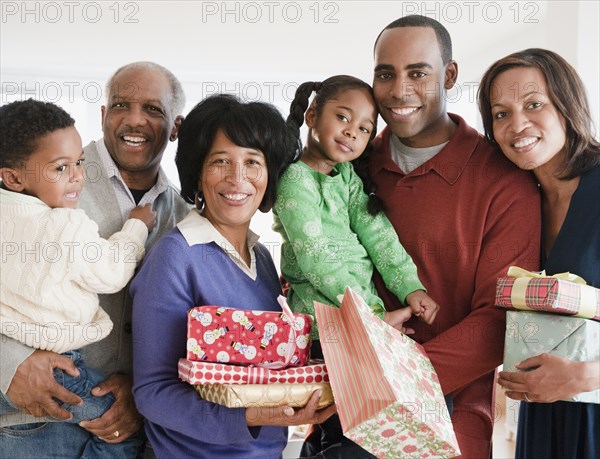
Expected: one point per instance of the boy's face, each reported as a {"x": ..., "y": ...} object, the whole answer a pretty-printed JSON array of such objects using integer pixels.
[
  {"x": 54, "y": 171},
  {"x": 410, "y": 83}
]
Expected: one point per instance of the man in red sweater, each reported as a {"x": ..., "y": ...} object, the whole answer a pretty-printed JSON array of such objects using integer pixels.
[{"x": 462, "y": 211}]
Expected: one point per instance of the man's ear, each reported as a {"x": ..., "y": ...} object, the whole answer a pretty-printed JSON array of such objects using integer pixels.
[
  {"x": 12, "y": 179},
  {"x": 451, "y": 75},
  {"x": 310, "y": 117},
  {"x": 175, "y": 130},
  {"x": 103, "y": 112}
]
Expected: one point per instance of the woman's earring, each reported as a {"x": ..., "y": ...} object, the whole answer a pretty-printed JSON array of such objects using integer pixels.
[{"x": 199, "y": 200}]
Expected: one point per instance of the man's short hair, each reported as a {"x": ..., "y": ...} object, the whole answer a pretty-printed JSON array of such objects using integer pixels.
[
  {"x": 415, "y": 20},
  {"x": 177, "y": 94}
]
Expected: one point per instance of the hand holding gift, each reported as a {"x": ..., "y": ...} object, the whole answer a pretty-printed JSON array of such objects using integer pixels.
[
  {"x": 265, "y": 382},
  {"x": 547, "y": 378},
  {"x": 550, "y": 355},
  {"x": 288, "y": 416},
  {"x": 237, "y": 386},
  {"x": 564, "y": 349}
]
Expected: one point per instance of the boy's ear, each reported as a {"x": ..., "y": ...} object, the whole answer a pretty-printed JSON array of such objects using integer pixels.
[{"x": 12, "y": 179}]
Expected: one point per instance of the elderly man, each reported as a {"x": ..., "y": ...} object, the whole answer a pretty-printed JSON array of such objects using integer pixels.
[{"x": 142, "y": 114}]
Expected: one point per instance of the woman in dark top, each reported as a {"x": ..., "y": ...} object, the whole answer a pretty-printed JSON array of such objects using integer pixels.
[{"x": 534, "y": 106}]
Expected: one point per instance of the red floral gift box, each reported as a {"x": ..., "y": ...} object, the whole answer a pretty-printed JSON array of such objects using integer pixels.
[
  {"x": 268, "y": 339},
  {"x": 220, "y": 373},
  {"x": 563, "y": 293}
]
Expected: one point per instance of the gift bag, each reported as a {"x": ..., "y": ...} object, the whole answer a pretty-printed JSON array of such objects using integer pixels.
[
  {"x": 388, "y": 397},
  {"x": 264, "y": 338},
  {"x": 563, "y": 293}
]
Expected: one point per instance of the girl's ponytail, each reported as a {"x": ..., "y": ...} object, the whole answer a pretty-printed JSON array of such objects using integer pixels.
[
  {"x": 300, "y": 103},
  {"x": 361, "y": 166},
  {"x": 297, "y": 110}
]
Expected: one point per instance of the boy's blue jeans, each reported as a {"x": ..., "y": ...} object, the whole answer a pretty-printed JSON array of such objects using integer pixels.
[{"x": 66, "y": 439}]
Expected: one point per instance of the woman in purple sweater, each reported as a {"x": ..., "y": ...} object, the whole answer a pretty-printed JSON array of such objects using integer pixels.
[{"x": 229, "y": 157}]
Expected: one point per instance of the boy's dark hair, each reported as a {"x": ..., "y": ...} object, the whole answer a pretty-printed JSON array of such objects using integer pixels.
[
  {"x": 325, "y": 91},
  {"x": 23, "y": 124},
  {"x": 255, "y": 125},
  {"x": 416, "y": 20},
  {"x": 567, "y": 93}
]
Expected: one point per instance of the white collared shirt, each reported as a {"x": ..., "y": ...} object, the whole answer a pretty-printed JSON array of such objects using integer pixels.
[
  {"x": 197, "y": 229},
  {"x": 124, "y": 196}
]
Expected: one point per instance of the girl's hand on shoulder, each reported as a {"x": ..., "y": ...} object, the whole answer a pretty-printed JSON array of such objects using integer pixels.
[{"x": 288, "y": 416}]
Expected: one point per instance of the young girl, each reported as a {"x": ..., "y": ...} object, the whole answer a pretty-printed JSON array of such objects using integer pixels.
[
  {"x": 334, "y": 233},
  {"x": 54, "y": 263}
]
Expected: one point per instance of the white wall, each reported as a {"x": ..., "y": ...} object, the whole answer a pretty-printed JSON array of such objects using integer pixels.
[{"x": 64, "y": 51}]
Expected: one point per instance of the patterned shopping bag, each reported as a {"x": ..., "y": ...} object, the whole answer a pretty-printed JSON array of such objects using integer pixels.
[{"x": 387, "y": 394}]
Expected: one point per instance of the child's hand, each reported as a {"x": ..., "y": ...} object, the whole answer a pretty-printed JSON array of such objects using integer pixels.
[
  {"x": 146, "y": 214},
  {"x": 422, "y": 306},
  {"x": 397, "y": 318}
]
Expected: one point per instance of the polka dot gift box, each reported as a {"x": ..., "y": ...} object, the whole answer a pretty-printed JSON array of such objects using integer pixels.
[
  {"x": 219, "y": 373},
  {"x": 268, "y": 339}
]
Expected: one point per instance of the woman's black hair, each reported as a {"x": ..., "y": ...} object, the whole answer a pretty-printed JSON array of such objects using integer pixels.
[
  {"x": 256, "y": 125},
  {"x": 324, "y": 92}
]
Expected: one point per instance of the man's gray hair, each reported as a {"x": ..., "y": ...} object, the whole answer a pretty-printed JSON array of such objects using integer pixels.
[{"x": 177, "y": 94}]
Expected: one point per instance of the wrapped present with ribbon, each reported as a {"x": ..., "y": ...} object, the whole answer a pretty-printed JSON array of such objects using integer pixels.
[
  {"x": 219, "y": 373},
  {"x": 386, "y": 390},
  {"x": 533, "y": 333},
  {"x": 563, "y": 293},
  {"x": 264, "y": 395},
  {"x": 269, "y": 339}
]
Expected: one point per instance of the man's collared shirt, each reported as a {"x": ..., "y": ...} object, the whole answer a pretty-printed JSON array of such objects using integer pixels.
[{"x": 124, "y": 196}]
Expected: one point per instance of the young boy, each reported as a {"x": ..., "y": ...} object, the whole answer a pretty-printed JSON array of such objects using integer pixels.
[{"x": 54, "y": 262}]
